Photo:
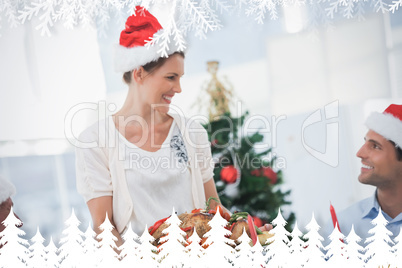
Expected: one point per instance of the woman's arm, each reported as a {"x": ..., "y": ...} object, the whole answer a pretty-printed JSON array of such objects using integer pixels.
[
  {"x": 210, "y": 191},
  {"x": 98, "y": 207}
]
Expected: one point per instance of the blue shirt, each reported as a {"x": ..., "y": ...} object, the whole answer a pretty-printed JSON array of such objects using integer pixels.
[{"x": 360, "y": 215}]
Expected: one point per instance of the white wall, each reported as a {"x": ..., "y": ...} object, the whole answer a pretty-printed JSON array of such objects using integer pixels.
[
  {"x": 43, "y": 77},
  {"x": 278, "y": 74}
]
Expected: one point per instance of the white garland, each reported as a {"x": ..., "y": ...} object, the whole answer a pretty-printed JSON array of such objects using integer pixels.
[{"x": 197, "y": 16}]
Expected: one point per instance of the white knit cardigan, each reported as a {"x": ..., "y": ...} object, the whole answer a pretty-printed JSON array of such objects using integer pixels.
[{"x": 92, "y": 160}]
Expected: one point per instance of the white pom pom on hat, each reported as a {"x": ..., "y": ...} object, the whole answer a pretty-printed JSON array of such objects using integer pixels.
[
  {"x": 388, "y": 124},
  {"x": 7, "y": 189},
  {"x": 132, "y": 52}
]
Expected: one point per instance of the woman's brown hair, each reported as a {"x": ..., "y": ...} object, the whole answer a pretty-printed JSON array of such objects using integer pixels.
[{"x": 150, "y": 66}]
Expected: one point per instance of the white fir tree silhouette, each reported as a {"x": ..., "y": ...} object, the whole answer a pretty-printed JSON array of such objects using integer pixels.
[
  {"x": 90, "y": 247},
  {"x": 147, "y": 251},
  {"x": 243, "y": 252},
  {"x": 336, "y": 253},
  {"x": 278, "y": 250},
  {"x": 296, "y": 248},
  {"x": 52, "y": 259},
  {"x": 71, "y": 249},
  {"x": 195, "y": 251},
  {"x": 14, "y": 253},
  {"x": 172, "y": 251},
  {"x": 108, "y": 257},
  {"x": 129, "y": 249},
  {"x": 314, "y": 247},
  {"x": 353, "y": 249},
  {"x": 37, "y": 256},
  {"x": 379, "y": 244},
  {"x": 258, "y": 255},
  {"x": 219, "y": 251},
  {"x": 398, "y": 248}
]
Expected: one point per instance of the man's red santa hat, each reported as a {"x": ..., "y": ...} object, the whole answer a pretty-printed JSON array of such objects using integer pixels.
[
  {"x": 131, "y": 52},
  {"x": 388, "y": 124}
]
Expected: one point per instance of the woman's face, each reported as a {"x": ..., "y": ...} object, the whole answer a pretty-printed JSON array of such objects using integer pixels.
[{"x": 160, "y": 85}]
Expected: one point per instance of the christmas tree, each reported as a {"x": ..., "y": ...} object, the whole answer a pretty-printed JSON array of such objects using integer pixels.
[
  {"x": 246, "y": 179},
  {"x": 336, "y": 249},
  {"x": 147, "y": 251},
  {"x": 14, "y": 251},
  {"x": 172, "y": 250},
  {"x": 37, "y": 256},
  {"x": 218, "y": 247},
  {"x": 90, "y": 247},
  {"x": 130, "y": 249},
  {"x": 278, "y": 251},
  {"x": 243, "y": 251},
  {"x": 258, "y": 256},
  {"x": 398, "y": 248},
  {"x": 313, "y": 251},
  {"x": 108, "y": 257},
  {"x": 296, "y": 247},
  {"x": 52, "y": 258},
  {"x": 354, "y": 249},
  {"x": 195, "y": 251},
  {"x": 71, "y": 249},
  {"x": 378, "y": 250}
]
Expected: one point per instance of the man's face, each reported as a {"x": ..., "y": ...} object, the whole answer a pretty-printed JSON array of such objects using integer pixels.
[{"x": 380, "y": 166}]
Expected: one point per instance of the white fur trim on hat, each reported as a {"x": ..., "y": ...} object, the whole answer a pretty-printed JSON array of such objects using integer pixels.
[
  {"x": 128, "y": 59},
  {"x": 387, "y": 126},
  {"x": 6, "y": 189}
]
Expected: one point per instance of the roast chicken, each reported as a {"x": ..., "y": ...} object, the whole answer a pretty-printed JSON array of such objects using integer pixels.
[{"x": 200, "y": 220}]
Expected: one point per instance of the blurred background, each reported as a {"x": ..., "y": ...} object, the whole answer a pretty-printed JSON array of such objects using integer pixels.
[{"x": 52, "y": 87}]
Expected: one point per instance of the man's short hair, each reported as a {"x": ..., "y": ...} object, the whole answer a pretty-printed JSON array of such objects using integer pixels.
[{"x": 398, "y": 151}]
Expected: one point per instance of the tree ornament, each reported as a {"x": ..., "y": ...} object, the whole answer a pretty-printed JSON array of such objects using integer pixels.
[
  {"x": 267, "y": 172},
  {"x": 270, "y": 174},
  {"x": 220, "y": 95},
  {"x": 229, "y": 174}
]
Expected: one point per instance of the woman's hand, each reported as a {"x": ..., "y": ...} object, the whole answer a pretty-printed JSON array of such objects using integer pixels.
[
  {"x": 210, "y": 191},
  {"x": 266, "y": 227}
]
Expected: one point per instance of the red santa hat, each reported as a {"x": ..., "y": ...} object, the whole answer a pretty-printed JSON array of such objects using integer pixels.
[
  {"x": 388, "y": 124},
  {"x": 6, "y": 189},
  {"x": 131, "y": 52}
]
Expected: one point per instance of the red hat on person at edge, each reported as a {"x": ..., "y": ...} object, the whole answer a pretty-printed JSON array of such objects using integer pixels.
[{"x": 388, "y": 124}]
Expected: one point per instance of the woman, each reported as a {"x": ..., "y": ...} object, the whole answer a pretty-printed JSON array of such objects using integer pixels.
[{"x": 152, "y": 159}]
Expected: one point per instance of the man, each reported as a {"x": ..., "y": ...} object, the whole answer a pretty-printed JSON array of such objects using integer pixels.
[
  {"x": 6, "y": 191},
  {"x": 381, "y": 159}
]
